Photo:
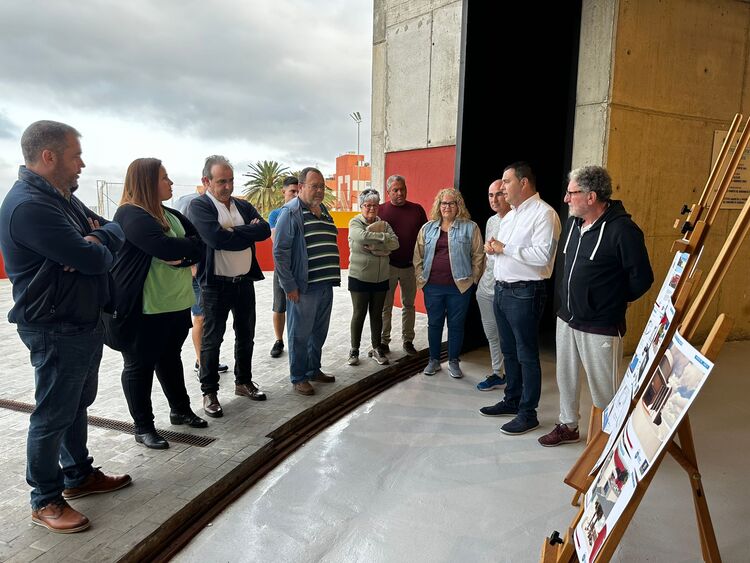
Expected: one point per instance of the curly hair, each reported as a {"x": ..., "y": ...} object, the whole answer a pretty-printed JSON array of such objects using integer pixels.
[
  {"x": 463, "y": 213},
  {"x": 593, "y": 179}
]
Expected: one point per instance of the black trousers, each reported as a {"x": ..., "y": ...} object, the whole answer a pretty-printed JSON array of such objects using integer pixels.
[
  {"x": 156, "y": 348},
  {"x": 362, "y": 302},
  {"x": 218, "y": 299}
]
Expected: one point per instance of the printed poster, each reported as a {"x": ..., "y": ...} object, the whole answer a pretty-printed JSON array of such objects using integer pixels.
[{"x": 679, "y": 376}]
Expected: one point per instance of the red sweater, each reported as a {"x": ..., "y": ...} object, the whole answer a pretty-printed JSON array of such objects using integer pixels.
[{"x": 405, "y": 220}]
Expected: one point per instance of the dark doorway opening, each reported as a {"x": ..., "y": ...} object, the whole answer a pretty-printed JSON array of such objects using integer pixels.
[{"x": 517, "y": 94}]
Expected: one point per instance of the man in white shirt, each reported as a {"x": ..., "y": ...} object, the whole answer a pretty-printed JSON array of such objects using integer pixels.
[
  {"x": 524, "y": 251},
  {"x": 182, "y": 204},
  {"x": 230, "y": 227}
]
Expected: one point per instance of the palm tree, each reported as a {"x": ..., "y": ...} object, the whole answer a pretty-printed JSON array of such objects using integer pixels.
[{"x": 263, "y": 189}]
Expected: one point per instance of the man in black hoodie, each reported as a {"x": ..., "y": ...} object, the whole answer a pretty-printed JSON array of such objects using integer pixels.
[{"x": 606, "y": 267}]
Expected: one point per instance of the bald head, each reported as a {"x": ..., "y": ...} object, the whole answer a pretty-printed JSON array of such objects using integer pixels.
[{"x": 496, "y": 197}]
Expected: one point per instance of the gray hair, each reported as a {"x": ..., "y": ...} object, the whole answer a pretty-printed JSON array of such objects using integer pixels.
[
  {"x": 45, "y": 135},
  {"x": 393, "y": 179},
  {"x": 304, "y": 173},
  {"x": 593, "y": 179},
  {"x": 368, "y": 195},
  {"x": 213, "y": 160}
]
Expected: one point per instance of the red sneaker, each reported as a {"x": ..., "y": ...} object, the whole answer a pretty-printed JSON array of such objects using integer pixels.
[{"x": 561, "y": 434}]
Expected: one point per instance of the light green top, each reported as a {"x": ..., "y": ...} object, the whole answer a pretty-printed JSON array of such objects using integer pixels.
[
  {"x": 368, "y": 251},
  {"x": 168, "y": 288}
]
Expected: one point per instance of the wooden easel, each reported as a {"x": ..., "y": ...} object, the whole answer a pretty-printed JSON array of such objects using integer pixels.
[{"x": 695, "y": 229}]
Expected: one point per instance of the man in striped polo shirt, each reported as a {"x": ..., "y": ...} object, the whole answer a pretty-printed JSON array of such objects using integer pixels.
[{"x": 306, "y": 258}]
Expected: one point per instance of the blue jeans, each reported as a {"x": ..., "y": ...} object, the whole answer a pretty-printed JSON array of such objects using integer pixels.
[
  {"x": 518, "y": 310},
  {"x": 66, "y": 361},
  {"x": 443, "y": 301},
  {"x": 306, "y": 330}
]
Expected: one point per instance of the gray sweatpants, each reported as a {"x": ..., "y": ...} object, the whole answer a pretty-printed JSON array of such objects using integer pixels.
[
  {"x": 600, "y": 356},
  {"x": 489, "y": 323}
]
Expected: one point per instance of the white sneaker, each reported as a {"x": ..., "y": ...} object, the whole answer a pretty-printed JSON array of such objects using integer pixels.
[
  {"x": 454, "y": 369},
  {"x": 433, "y": 366},
  {"x": 377, "y": 355},
  {"x": 353, "y": 357}
]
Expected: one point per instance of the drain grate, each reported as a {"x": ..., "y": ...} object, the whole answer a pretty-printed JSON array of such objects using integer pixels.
[{"x": 124, "y": 427}]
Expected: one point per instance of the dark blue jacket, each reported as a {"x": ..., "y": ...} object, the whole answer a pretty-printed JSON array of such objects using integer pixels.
[
  {"x": 205, "y": 217},
  {"x": 40, "y": 232},
  {"x": 605, "y": 269}
]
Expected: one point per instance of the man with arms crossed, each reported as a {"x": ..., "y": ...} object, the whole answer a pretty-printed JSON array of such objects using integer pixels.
[
  {"x": 486, "y": 290},
  {"x": 524, "y": 252},
  {"x": 182, "y": 204},
  {"x": 230, "y": 227},
  {"x": 289, "y": 190},
  {"x": 57, "y": 255},
  {"x": 406, "y": 219},
  {"x": 606, "y": 267}
]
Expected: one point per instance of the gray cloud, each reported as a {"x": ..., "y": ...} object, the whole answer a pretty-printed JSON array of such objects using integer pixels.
[
  {"x": 283, "y": 73},
  {"x": 8, "y": 129}
]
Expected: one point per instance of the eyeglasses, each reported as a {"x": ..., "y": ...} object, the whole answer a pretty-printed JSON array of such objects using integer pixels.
[
  {"x": 569, "y": 193},
  {"x": 448, "y": 204},
  {"x": 318, "y": 187},
  {"x": 370, "y": 206}
]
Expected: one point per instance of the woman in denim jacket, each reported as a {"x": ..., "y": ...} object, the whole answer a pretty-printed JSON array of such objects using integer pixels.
[{"x": 449, "y": 261}]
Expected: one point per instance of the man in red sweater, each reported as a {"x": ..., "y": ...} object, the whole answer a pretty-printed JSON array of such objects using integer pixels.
[{"x": 406, "y": 218}]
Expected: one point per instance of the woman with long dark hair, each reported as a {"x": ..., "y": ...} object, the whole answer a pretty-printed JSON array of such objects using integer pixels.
[{"x": 153, "y": 288}]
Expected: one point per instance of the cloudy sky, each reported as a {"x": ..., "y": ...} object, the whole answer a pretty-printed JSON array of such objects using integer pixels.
[{"x": 182, "y": 79}]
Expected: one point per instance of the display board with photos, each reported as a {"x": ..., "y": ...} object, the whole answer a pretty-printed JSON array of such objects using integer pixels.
[{"x": 677, "y": 380}]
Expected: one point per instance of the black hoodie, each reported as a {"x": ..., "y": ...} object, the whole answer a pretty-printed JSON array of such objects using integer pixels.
[{"x": 605, "y": 269}]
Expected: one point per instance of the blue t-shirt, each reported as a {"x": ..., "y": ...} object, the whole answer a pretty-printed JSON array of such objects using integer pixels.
[{"x": 273, "y": 217}]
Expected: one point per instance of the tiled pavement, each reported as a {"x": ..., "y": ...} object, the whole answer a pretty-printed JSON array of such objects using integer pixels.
[{"x": 166, "y": 480}]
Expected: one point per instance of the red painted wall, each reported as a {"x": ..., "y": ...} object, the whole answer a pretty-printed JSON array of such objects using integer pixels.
[{"x": 427, "y": 171}]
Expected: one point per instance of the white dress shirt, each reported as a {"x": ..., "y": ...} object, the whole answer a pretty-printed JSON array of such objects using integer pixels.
[
  {"x": 230, "y": 263},
  {"x": 530, "y": 233}
]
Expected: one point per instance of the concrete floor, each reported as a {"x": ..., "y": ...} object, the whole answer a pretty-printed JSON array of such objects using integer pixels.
[{"x": 417, "y": 474}]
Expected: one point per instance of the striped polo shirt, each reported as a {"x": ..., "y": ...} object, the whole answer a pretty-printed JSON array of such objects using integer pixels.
[{"x": 322, "y": 249}]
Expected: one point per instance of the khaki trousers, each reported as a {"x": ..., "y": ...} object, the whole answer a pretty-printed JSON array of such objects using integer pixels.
[{"x": 407, "y": 279}]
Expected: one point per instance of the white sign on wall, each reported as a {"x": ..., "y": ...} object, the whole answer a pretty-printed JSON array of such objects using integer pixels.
[{"x": 739, "y": 189}]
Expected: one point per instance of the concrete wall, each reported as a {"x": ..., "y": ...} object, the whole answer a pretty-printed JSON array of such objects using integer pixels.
[
  {"x": 655, "y": 80},
  {"x": 416, "y": 49}
]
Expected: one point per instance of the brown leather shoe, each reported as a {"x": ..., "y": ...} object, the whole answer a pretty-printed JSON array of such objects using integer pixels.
[
  {"x": 321, "y": 377},
  {"x": 249, "y": 390},
  {"x": 304, "y": 388},
  {"x": 60, "y": 518},
  {"x": 96, "y": 483},
  {"x": 211, "y": 405}
]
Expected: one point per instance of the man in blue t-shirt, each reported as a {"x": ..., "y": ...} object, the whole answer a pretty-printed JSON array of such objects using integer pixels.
[{"x": 289, "y": 189}]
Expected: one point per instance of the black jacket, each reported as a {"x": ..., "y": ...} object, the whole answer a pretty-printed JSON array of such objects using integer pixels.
[
  {"x": 145, "y": 239},
  {"x": 605, "y": 269},
  {"x": 205, "y": 217},
  {"x": 40, "y": 233}
]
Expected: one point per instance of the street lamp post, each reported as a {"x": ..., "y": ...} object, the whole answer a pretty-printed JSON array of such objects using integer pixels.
[{"x": 358, "y": 120}]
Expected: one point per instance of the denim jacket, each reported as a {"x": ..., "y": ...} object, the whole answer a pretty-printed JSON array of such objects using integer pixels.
[
  {"x": 290, "y": 249},
  {"x": 465, "y": 251}
]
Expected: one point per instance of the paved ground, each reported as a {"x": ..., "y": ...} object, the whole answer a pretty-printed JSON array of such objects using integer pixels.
[{"x": 164, "y": 481}]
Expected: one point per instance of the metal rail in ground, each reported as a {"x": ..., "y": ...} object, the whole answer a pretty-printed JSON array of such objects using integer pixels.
[{"x": 174, "y": 534}]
